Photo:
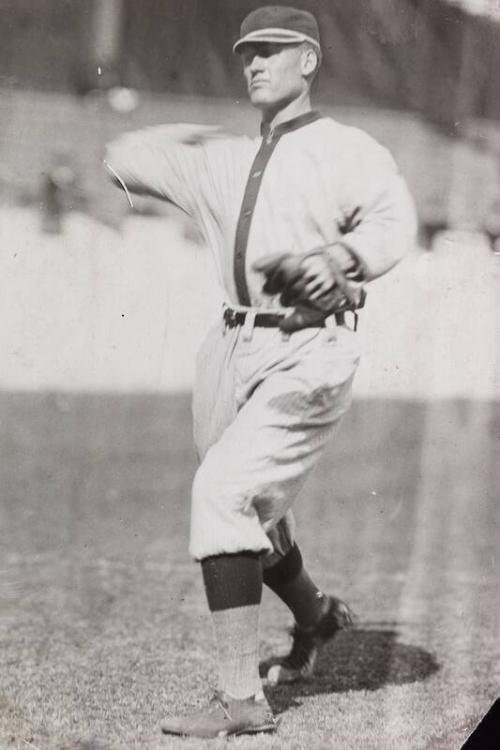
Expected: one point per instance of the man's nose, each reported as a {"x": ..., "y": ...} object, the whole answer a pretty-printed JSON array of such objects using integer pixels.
[{"x": 256, "y": 64}]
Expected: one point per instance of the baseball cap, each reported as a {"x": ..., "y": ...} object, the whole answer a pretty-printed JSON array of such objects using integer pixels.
[{"x": 280, "y": 24}]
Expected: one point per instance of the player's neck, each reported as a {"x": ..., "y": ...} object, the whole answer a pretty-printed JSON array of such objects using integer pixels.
[{"x": 297, "y": 107}]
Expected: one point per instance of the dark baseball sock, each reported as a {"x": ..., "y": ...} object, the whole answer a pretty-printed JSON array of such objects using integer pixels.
[
  {"x": 291, "y": 582},
  {"x": 233, "y": 585},
  {"x": 232, "y": 580}
]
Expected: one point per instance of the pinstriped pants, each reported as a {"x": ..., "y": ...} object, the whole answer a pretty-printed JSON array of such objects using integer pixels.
[{"x": 264, "y": 407}]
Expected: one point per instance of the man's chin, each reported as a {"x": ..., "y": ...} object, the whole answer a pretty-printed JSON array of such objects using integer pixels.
[{"x": 259, "y": 97}]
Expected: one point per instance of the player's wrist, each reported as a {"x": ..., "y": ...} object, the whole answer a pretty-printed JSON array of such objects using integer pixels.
[{"x": 346, "y": 260}]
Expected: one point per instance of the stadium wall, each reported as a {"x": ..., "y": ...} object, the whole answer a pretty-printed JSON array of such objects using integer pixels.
[
  {"x": 453, "y": 181},
  {"x": 422, "y": 55}
]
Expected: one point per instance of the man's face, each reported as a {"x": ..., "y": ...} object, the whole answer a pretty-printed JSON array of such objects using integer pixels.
[{"x": 274, "y": 73}]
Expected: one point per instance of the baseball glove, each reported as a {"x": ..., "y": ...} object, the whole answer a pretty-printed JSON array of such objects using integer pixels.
[{"x": 313, "y": 283}]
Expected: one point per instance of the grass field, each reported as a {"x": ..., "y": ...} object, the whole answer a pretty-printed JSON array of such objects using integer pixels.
[{"x": 103, "y": 623}]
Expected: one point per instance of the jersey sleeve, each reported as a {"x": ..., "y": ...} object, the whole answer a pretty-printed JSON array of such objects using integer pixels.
[
  {"x": 165, "y": 161},
  {"x": 384, "y": 219}
]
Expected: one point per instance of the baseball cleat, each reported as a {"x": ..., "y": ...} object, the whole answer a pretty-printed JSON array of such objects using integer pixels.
[
  {"x": 224, "y": 716},
  {"x": 308, "y": 642}
]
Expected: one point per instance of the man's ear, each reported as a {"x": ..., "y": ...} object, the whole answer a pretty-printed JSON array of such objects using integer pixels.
[{"x": 309, "y": 62}]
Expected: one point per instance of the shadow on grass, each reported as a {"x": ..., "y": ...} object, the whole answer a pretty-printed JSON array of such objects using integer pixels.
[{"x": 357, "y": 659}]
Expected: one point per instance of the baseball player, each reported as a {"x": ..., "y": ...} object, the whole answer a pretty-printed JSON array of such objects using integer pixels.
[{"x": 297, "y": 220}]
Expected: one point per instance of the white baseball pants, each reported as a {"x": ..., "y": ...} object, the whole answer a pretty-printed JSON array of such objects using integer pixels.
[{"x": 264, "y": 407}]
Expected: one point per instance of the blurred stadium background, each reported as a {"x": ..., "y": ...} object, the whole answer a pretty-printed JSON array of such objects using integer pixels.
[
  {"x": 102, "y": 309},
  {"x": 418, "y": 75}
]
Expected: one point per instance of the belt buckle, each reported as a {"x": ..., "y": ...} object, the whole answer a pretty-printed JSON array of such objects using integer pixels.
[{"x": 230, "y": 317}]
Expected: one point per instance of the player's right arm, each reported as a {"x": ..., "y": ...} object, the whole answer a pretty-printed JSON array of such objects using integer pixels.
[{"x": 165, "y": 161}]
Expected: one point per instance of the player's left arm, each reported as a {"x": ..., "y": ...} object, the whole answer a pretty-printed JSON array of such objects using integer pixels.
[
  {"x": 376, "y": 229},
  {"x": 379, "y": 220}
]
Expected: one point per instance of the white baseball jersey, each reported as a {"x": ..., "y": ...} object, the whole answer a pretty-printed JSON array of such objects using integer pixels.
[
  {"x": 312, "y": 173},
  {"x": 265, "y": 405}
]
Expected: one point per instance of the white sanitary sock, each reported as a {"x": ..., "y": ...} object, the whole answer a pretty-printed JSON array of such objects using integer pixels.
[{"x": 237, "y": 638}]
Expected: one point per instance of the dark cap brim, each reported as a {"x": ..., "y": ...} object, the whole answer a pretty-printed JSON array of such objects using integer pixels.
[{"x": 276, "y": 36}]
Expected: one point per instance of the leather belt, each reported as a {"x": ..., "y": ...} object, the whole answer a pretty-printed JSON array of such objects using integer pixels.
[{"x": 234, "y": 318}]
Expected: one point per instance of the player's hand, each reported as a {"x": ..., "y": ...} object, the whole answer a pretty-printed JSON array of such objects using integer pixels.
[
  {"x": 314, "y": 283},
  {"x": 315, "y": 279}
]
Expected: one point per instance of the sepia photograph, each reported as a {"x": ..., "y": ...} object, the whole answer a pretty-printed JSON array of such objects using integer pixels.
[{"x": 250, "y": 375}]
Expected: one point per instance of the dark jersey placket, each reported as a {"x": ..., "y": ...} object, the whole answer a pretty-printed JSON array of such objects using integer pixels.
[{"x": 269, "y": 143}]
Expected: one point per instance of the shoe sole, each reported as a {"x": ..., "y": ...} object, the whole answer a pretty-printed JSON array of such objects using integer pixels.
[
  {"x": 254, "y": 730},
  {"x": 258, "y": 730}
]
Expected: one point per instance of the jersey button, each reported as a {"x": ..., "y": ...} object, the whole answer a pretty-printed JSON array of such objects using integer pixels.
[
  {"x": 247, "y": 213},
  {"x": 257, "y": 173}
]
